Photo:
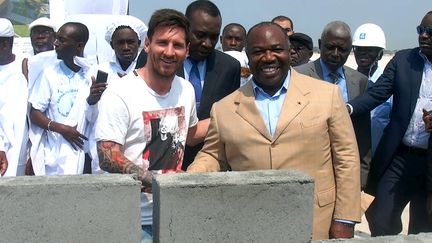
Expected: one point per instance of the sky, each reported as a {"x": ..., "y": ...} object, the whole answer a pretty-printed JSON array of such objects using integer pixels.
[{"x": 398, "y": 18}]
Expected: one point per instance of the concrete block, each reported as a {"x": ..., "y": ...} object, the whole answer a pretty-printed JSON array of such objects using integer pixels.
[
  {"x": 104, "y": 208},
  {"x": 253, "y": 206}
]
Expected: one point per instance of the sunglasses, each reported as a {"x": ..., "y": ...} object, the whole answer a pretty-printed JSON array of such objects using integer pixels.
[{"x": 422, "y": 29}]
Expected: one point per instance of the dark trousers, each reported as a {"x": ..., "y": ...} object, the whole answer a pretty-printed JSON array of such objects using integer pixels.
[{"x": 403, "y": 182}]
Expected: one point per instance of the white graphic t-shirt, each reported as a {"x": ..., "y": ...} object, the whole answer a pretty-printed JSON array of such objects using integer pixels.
[{"x": 152, "y": 128}]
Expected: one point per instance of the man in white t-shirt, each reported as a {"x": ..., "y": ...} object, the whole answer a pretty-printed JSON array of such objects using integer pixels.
[{"x": 145, "y": 120}]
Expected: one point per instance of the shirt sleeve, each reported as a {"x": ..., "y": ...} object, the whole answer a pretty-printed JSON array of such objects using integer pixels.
[
  {"x": 113, "y": 119},
  {"x": 41, "y": 94},
  {"x": 193, "y": 118}
]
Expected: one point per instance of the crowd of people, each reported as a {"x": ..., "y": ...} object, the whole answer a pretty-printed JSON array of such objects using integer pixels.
[{"x": 259, "y": 104}]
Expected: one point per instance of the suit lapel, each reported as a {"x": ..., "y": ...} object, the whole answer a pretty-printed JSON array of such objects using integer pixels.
[
  {"x": 295, "y": 102},
  {"x": 210, "y": 78},
  {"x": 352, "y": 86},
  {"x": 249, "y": 112},
  {"x": 318, "y": 70}
]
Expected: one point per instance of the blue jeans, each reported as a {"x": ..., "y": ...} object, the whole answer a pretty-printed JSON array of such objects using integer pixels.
[{"x": 146, "y": 234}]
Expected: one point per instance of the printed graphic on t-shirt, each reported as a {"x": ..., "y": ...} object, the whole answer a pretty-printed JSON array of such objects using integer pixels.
[
  {"x": 66, "y": 101},
  {"x": 165, "y": 132}
]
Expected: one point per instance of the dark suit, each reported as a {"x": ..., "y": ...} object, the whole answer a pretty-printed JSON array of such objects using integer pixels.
[
  {"x": 221, "y": 79},
  {"x": 397, "y": 174},
  {"x": 356, "y": 85}
]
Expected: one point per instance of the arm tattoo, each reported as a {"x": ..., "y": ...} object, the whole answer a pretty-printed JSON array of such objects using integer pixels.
[{"x": 112, "y": 160}]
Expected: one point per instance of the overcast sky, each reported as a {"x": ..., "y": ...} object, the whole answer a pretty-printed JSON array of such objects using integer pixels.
[{"x": 398, "y": 18}]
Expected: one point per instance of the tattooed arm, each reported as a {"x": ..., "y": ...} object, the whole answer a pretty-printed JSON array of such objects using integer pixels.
[{"x": 112, "y": 160}]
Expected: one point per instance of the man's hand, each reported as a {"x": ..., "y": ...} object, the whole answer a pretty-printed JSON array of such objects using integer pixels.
[
  {"x": 96, "y": 91},
  {"x": 427, "y": 119},
  {"x": 341, "y": 230},
  {"x": 3, "y": 163},
  {"x": 71, "y": 135},
  {"x": 112, "y": 160}
]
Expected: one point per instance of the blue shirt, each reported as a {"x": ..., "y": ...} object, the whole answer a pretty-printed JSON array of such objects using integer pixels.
[
  {"x": 341, "y": 82},
  {"x": 270, "y": 106}
]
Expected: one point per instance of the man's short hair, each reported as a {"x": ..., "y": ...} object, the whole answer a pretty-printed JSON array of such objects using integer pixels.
[
  {"x": 231, "y": 25},
  {"x": 283, "y": 18},
  {"x": 168, "y": 18},
  {"x": 81, "y": 33},
  {"x": 334, "y": 25},
  {"x": 203, "y": 5},
  {"x": 266, "y": 23}
]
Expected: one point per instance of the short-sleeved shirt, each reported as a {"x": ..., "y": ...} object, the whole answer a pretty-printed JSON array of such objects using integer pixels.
[{"x": 151, "y": 128}]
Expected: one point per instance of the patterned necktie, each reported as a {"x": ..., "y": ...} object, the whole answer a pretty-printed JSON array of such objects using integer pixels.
[
  {"x": 195, "y": 80},
  {"x": 334, "y": 77}
]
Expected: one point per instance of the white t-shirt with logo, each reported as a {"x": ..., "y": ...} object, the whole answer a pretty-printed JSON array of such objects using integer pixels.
[{"x": 151, "y": 128}]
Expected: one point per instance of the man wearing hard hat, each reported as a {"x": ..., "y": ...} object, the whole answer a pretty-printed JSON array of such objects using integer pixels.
[{"x": 369, "y": 44}]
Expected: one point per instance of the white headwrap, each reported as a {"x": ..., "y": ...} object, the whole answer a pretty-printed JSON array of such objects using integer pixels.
[
  {"x": 6, "y": 28},
  {"x": 134, "y": 23}
]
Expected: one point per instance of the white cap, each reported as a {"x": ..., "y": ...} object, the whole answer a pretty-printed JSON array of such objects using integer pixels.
[
  {"x": 134, "y": 23},
  {"x": 43, "y": 21},
  {"x": 369, "y": 35},
  {"x": 6, "y": 28}
]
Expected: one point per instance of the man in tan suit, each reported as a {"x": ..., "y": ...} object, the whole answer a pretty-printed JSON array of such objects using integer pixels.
[{"x": 285, "y": 120}]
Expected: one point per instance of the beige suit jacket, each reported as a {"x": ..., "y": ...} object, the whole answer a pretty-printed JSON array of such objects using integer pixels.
[{"x": 314, "y": 134}]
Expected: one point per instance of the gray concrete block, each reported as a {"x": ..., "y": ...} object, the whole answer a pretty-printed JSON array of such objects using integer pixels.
[
  {"x": 104, "y": 208},
  {"x": 253, "y": 206}
]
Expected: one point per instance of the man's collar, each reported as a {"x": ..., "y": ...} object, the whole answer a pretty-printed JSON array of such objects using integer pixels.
[
  {"x": 66, "y": 70},
  {"x": 284, "y": 87},
  {"x": 326, "y": 70},
  {"x": 425, "y": 58}
]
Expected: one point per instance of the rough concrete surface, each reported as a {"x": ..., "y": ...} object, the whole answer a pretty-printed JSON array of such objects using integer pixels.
[
  {"x": 254, "y": 206},
  {"x": 86, "y": 208}
]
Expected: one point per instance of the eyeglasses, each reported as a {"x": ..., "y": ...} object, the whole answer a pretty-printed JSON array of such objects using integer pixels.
[
  {"x": 41, "y": 32},
  {"x": 422, "y": 29}
]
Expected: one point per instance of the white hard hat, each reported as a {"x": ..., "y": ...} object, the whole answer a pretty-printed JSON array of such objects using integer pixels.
[{"x": 369, "y": 35}]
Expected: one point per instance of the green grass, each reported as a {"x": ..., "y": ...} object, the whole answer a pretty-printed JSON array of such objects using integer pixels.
[{"x": 22, "y": 30}]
